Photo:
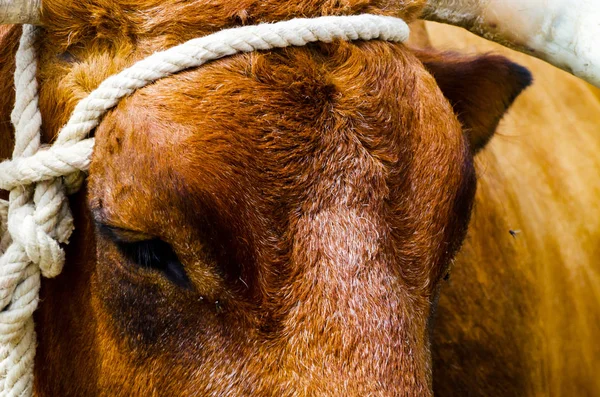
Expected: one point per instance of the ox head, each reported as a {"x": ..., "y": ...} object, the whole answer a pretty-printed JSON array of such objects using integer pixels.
[{"x": 274, "y": 223}]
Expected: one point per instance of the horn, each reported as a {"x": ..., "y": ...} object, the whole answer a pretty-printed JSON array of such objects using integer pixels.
[
  {"x": 561, "y": 32},
  {"x": 20, "y": 11}
]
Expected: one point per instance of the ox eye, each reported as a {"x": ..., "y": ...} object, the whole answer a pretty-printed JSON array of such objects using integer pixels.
[
  {"x": 157, "y": 255},
  {"x": 67, "y": 57}
]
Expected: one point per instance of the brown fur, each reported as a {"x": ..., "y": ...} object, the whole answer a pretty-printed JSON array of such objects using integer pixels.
[{"x": 315, "y": 197}]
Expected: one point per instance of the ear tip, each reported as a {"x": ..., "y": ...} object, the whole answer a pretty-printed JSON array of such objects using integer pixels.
[
  {"x": 523, "y": 76},
  {"x": 521, "y": 79},
  {"x": 516, "y": 77}
]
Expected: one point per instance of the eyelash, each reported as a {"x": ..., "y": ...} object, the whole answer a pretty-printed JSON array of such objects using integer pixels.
[{"x": 158, "y": 255}]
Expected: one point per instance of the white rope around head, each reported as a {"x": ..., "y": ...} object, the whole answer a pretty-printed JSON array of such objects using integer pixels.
[{"x": 36, "y": 219}]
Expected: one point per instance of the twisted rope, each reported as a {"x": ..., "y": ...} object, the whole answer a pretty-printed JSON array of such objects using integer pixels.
[{"x": 36, "y": 219}]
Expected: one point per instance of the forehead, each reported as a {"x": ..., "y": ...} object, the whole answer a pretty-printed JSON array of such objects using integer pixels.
[{"x": 269, "y": 118}]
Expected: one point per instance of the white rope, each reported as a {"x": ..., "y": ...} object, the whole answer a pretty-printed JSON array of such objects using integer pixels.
[{"x": 36, "y": 219}]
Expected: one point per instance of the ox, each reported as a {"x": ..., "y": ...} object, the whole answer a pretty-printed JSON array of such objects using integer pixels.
[{"x": 279, "y": 223}]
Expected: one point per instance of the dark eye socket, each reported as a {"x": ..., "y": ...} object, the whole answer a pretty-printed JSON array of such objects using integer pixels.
[{"x": 158, "y": 255}]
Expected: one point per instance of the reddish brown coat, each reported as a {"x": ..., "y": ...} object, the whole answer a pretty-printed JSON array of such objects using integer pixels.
[{"x": 314, "y": 196}]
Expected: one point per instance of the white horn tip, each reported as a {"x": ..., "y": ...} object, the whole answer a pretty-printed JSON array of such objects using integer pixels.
[
  {"x": 562, "y": 32},
  {"x": 571, "y": 42}
]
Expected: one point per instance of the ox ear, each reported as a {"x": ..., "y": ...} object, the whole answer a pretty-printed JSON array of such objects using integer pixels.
[{"x": 480, "y": 89}]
